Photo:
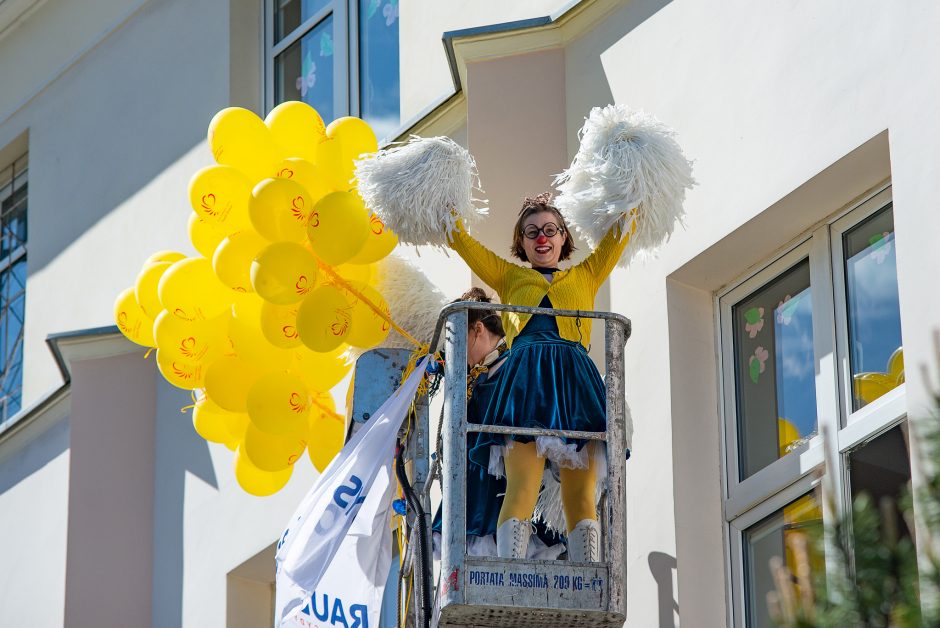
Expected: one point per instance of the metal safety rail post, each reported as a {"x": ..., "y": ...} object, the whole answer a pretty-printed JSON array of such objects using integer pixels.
[{"x": 483, "y": 591}]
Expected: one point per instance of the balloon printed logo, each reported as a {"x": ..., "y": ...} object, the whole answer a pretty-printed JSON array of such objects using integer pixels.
[
  {"x": 290, "y": 332},
  {"x": 297, "y": 208},
  {"x": 313, "y": 220},
  {"x": 285, "y": 173},
  {"x": 303, "y": 285},
  {"x": 377, "y": 226},
  {"x": 185, "y": 371},
  {"x": 208, "y": 204},
  {"x": 296, "y": 403},
  {"x": 124, "y": 327},
  {"x": 341, "y": 326},
  {"x": 189, "y": 347}
]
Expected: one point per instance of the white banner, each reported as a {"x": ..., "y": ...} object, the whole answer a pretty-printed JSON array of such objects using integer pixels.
[{"x": 334, "y": 556}]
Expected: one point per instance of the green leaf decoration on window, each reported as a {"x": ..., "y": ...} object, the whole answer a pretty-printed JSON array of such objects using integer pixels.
[
  {"x": 326, "y": 45},
  {"x": 754, "y": 321},
  {"x": 757, "y": 363},
  {"x": 373, "y": 7}
]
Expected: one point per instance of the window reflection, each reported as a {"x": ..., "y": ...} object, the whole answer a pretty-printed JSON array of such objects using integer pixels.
[
  {"x": 790, "y": 534},
  {"x": 874, "y": 320},
  {"x": 774, "y": 369},
  {"x": 289, "y": 14},
  {"x": 305, "y": 70},
  {"x": 379, "y": 65}
]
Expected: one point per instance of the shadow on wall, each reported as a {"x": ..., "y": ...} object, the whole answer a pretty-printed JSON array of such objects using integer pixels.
[
  {"x": 136, "y": 103},
  {"x": 179, "y": 451},
  {"x": 663, "y": 567}
]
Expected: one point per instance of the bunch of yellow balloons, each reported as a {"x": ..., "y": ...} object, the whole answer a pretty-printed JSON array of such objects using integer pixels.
[{"x": 258, "y": 323}]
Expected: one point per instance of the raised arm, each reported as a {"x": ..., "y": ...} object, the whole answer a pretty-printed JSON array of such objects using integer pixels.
[
  {"x": 487, "y": 265},
  {"x": 602, "y": 260}
]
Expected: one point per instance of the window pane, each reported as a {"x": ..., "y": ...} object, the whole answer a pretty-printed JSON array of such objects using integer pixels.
[
  {"x": 774, "y": 369},
  {"x": 882, "y": 469},
  {"x": 378, "y": 65},
  {"x": 12, "y": 312},
  {"x": 871, "y": 294},
  {"x": 289, "y": 14},
  {"x": 305, "y": 70},
  {"x": 774, "y": 537}
]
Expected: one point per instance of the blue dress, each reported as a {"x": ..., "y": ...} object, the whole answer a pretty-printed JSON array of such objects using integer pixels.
[
  {"x": 546, "y": 382},
  {"x": 484, "y": 491}
]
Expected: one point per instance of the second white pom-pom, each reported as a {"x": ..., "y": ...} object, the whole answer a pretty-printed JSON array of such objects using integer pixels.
[{"x": 626, "y": 160}]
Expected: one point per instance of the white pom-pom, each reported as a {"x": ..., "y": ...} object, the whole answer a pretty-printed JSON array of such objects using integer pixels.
[
  {"x": 626, "y": 160},
  {"x": 413, "y": 302},
  {"x": 421, "y": 188}
]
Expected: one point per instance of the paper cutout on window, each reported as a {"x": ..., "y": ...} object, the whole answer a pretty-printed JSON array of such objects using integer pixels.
[
  {"x": 787, "y": 308},
  {"x": 308, "y": 75},
  {"x": 754, "y": 321},
  {"x": 326, "y": 45},
  {"x": 880, "y": 246},
  {"x": 373, "y": 7},
  {"x": 390, "y": 11},
  {"x": 757, "y": 363}
]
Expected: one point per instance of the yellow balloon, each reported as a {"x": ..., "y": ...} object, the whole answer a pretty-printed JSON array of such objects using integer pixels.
[
  {"x": 321, "y": 371},
  {"x": 338, "y": 227},
  {"x": 219, "y": 194},
  {"x": 164, "y": 256},
  {"x": 279, "y": 325},
  {"x": 132, "y": 320},
  {"x": 232, "y": 259},
  {"x": 203, "y": 235},
  {"x": 364, "y": 273},
  {"x": 272, "y": 452},
  {"x": 181, "y": 373},
  {"x": 327, "y": 436},
  {"x": 145, "y": 288},
  {"x": 279, "y": 209},
  {"x": 256, "y": 482},
  {"x": 190, "y": 290},
  {"x": 228, "y": 380},
  {"x": 297, "y": 127},
  {"x": 217, "y": 425},
  {"x": 335, "y": 166},
  {"x": 323, "y": 319},
  {"x": 247, "y": 340},
  {"x": 196, "y": 342},
  {"x": 312, "y": 177},
  {"x": 239, "y": 138},
  {"x": 367, "y": 328},
  {"x": 380, "y": 241},
  {"x": 354, "y": 136},
  {"x": 284, "y": 273},
  {"x": 278, "y": 403}
]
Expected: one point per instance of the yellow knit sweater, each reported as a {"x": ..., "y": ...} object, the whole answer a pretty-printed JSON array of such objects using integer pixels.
[{"x": 570, "y": 289}]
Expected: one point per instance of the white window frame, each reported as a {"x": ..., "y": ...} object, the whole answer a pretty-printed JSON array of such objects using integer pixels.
[
  {"x": 748, "y": 501},
  {"x": 346, "y": 88}
]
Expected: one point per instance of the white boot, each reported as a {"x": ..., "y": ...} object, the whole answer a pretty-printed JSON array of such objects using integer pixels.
[
  {"x": 512, "y": 538},
  {"x": 584, "y": 542}
]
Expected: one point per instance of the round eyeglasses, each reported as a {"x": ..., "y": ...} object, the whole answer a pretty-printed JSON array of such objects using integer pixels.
[{"x": 549, "y": 229}]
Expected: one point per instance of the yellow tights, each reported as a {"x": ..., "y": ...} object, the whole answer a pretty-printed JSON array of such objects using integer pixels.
[{"x": 524, "y": 469}]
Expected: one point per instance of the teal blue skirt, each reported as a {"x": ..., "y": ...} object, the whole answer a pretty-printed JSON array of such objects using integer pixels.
[{"x": 545, "y": 382}]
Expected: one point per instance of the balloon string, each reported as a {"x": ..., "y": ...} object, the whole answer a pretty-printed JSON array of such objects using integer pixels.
[
  {"x": 149, "y": 351},
  {"x": 336, "y": 416},
  {"x": 334, "y": 277}
]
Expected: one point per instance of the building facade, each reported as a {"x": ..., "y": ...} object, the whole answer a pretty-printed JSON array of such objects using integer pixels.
[{"x": 785, "y": 309}]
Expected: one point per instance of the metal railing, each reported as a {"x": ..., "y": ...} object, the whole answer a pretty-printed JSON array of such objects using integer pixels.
[{"x": 453, "y": 321}]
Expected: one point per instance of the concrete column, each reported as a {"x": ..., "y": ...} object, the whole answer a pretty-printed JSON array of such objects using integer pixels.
[{"x": 111, "y": 482}]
